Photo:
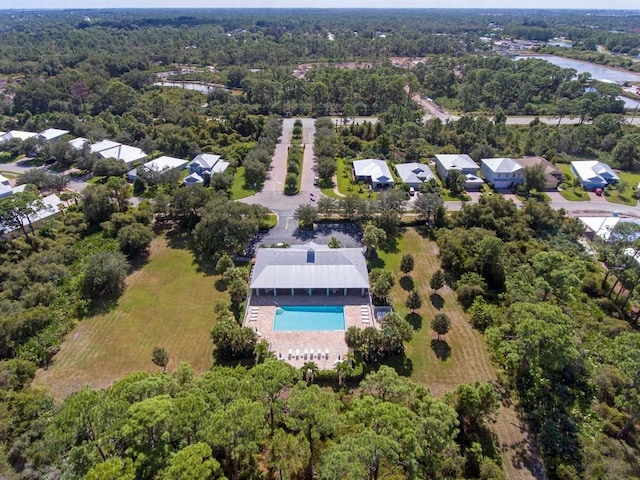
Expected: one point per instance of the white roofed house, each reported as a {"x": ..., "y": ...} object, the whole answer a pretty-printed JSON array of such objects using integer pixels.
[
  {"x": 78, "y": 143},
  {"x": 457, "y": 161},
  {"x": 42, "y": 209},
  {"x": 129, "y": 155},
  {"x": 16, "y": 134},
  {"x": 462, "y": 162},
  {"x": 414, "y": 174},
  {"x": 5, "y": 187},
  {"x": 159, "y": 166},
  {"x": 103, "y": 145},
  {"x": 202, "y": 165},
  {"x": 373, "y": 171},
  {"x": 51, "y": 134},
  {"x": 502, "y": 172},
  {"x": 594, "y": 174}
]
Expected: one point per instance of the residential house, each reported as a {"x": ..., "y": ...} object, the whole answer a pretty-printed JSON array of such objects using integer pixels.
[
  {"x": 192, "y": 179},
  {"x": 103, "y": 145},
  {"x": 414, "y": 174},
  {"x": 502, "y": 172},
  {"x": 552, "y": 175},
  {"x": 447, "y": 162},
  {"x": 52, "y": 134},
  {"x": 49, "y": 209},
  {"x": 13, "y": 134},
  {"x": 5, "y": 187},
  {"x": 78, "y": 143},
  {"x": 161, "y": 165},
  {"x": 462, "y": 162},
  {"x": 602, "y": 226},
  {"x": 373, "y": 171},
  {"x": 203, "y": 165},
  {"x": 129, "y": 155},
  {"x": 593, "y": 174}
]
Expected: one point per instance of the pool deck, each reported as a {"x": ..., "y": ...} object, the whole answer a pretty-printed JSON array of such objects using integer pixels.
[{"x": 297, "y": 348}]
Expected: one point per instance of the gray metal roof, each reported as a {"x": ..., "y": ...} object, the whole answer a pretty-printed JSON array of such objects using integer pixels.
[{"x": 310, "y": 266}]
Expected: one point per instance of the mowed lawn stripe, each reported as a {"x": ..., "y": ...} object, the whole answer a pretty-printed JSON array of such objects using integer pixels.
[
  {"x": 469, "y": 360},
  {"x": 168, "y": 302}
]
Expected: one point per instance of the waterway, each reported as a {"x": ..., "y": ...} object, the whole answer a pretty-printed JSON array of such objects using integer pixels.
[
  {"x": 598, "y": 72},
  {"x": 198, "y": 87}
]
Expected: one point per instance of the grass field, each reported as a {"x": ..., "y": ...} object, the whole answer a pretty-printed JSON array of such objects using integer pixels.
[
  {"x": 468, "y": 359},
  {"x": 168, "y": 303},
  {"x": 238, "y": 188}
]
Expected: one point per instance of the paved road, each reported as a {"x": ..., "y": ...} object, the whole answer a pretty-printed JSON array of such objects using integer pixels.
[
  {"x": 77, "y": 184},
  {"x": 285, "y": 205}
]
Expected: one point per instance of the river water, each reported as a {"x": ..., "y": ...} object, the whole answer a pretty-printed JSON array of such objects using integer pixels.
[
  {"x": 598, "y": 72},
  {"x": 198, "y": 87}
]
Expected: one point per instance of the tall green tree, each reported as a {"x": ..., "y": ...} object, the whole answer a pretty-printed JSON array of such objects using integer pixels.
[
  {"x": 407, "y": 262},
  {"x": 441, "y": 324},
  {"x": 238, "y": 429},
  {"x": 314, "y": 413}
]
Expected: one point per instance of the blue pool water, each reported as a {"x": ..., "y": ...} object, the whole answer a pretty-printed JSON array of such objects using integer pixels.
[{"x": 301, "y": 318}]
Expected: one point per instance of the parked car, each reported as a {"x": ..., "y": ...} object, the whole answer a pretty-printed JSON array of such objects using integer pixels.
[
  {"x": 316, "y": 181},
  {"x": 598, "y": 192}
]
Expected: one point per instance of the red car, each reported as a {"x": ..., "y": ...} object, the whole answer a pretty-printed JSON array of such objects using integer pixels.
[{"x": 598, "y": 192}]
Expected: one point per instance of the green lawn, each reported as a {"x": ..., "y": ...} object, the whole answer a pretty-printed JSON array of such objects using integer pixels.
[
  {"x": 573, "y": 194},
  {"x": 631, "y": 180},
  {"x": 8, "y": 175},
  {"x": 539, "y": 197},
  {"x": 239, "y": 188},
  {"x": 468, "y": 359},
  {"x": 95, "y": 179},
  {"x": 346, "y": 184},
  {"x": 168, "y": 302},
  {"x": 270, "y": 222},
  {"x": 327, "y": 189},
  {"x": 6, "y": 157}
]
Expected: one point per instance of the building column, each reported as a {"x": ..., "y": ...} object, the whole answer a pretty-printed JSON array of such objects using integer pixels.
[
  {"x": 327, "y": 292},
  {"x": 275, "y": 293},
  {"x": 309, "y": 292},
  {"x": 293, "y": 292},
  {"x": 345, "y": 292}
]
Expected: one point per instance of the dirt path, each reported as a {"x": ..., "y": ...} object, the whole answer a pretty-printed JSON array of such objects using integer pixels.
[{"x": 516, "y": 450}]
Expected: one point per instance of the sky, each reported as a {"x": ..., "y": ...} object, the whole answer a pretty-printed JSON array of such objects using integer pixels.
[{"x": 554, "y": 4}]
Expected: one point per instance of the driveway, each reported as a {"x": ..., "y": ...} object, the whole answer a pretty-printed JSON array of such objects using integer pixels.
[
  {"x": 272, "y": 196},
  {"x": 77, "y": 184}
]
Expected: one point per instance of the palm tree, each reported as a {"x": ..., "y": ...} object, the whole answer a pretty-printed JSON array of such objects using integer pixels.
[
  {"x": 262, "y": 352},
  {"x": 343, "y": 369},
  {"x": 309, "y": 370}
]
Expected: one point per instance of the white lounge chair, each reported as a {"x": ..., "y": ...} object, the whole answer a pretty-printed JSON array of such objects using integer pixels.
[
  {"x": 326, "y": 352},
  {"x": 305, "y": 354},
  {"x": 290, "y": 353},
  {"x": 297, "y": 353},
  {"x": 319, "y": 354}
]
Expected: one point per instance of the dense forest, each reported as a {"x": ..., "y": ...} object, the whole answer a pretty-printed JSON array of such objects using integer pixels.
[{"x": 558, "y": 325}]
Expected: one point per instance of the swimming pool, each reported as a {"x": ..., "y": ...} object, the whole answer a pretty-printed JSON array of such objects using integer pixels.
[{"x": 294, "y": 318}]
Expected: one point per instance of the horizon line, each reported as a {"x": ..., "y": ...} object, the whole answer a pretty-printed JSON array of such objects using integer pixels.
[{"x": 36, "y": 9}]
